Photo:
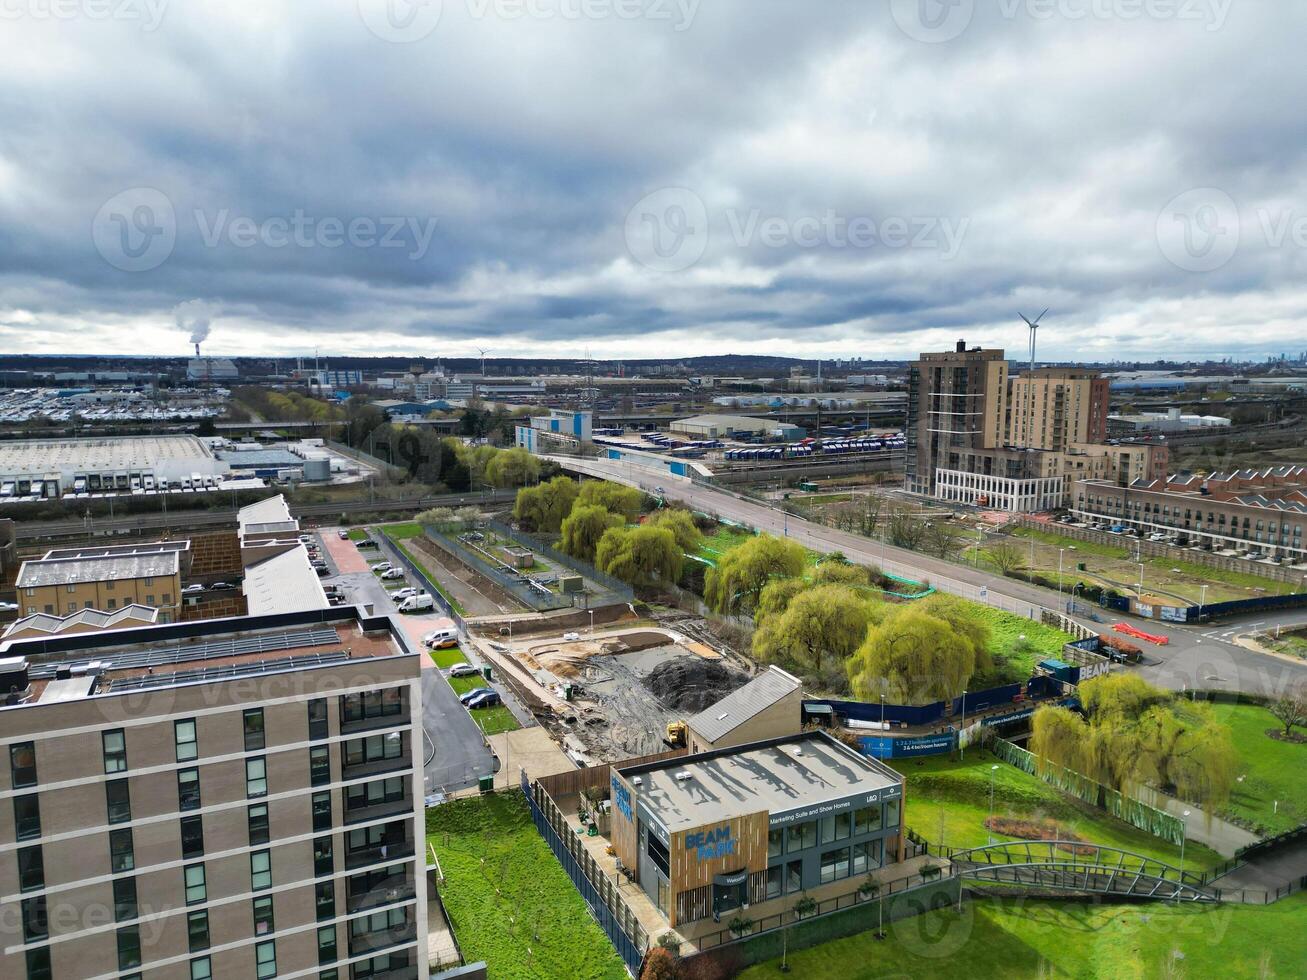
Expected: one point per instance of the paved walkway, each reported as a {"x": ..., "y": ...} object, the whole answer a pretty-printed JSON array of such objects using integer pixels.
[
  {"x": 344, "y": 555},
  {"x": 1271, "y": 871}
]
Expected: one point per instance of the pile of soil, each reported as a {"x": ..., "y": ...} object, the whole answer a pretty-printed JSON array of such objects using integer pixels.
[
  {"x": 691, "y": 684},
  {"x": 1042, "y": 830}
]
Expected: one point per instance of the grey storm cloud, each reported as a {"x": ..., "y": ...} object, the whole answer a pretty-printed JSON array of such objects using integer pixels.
[{"x": 750, "y": 175}]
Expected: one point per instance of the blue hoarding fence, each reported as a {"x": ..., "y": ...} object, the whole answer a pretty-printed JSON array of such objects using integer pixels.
[
  {"x": 610, "y": 910},
  {"x": 881, "y": 747}
]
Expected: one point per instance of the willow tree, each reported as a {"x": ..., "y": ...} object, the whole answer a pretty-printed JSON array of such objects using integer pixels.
[
  {"x": 962, "y": 617},
  {"x": 913, "y": 658},
  {"x": 735, "y": 584},
  {"x": 681, "y": 523},
  {"x": 777, "y": 594},
  {"x": 1059, "y": 736},
  {"x": 545, "y": 506},
  {"x": 612, "y": 497},
  {"x": 640, "y": 556},
  {"x": 583, "y": 528},
  {"x": 816, "y": 633}
]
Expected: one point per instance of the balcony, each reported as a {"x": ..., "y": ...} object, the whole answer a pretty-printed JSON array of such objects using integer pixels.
[
  {"x": 396, "y": 888},
  {"x": 375, "y": 811}
]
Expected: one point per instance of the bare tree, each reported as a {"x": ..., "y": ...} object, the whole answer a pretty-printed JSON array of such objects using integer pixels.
[
  {"x": 1290, "y": 708},
  {"x": 1004, "y": 556}
]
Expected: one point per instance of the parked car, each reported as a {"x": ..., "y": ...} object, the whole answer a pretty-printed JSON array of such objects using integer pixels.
[
  {"x": 322, "y": 571},
  {"x": 393, "y": 573},
  {"x": 463, "y": 670},
  {"x": 222, "y": 587},
  {"x": 192, "y": 589},
  {"x": 8, "y": 607},
  {"x": 306, "y": 538},
  {"x": 399, "y": 594},
  {"x": 487, "y": 700},
  {"x": 475, "y": 693},
  {"x": 383, "y": 566},
  {"x": 334, "y": 599},
  {"x": 343, "y": 534},
  {"x": 441, "y": 639}
]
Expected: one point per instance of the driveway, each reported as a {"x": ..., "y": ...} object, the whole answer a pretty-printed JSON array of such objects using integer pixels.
[{"x": 344, "y": 555}]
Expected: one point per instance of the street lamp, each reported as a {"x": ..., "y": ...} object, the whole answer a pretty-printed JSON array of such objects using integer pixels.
[
  {"x": 1060, "y": 552},
  {"x": 592, "y": 620},
  {"x": 990, "y": 825},
  {"x": 1202, "y": 600},
  {"x": 1184, "y": 825},
  {"x": 962, "y": 748},
  {"x": 1141, "y": 580}
]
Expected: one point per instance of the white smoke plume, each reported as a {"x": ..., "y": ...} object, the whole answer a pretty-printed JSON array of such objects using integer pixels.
[{"x": 196, "y": 317}]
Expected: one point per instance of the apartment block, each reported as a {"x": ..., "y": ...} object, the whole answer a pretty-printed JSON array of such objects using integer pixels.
[
  {"x": 64, "y": 581},
  {"x": 217, "y": 799},
  {"x": 1057, "y": 408}
]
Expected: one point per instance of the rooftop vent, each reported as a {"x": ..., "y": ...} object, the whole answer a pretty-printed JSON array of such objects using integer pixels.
[
  {"x": 682, "y": 776},
  {"x": 637, "y": 781}
]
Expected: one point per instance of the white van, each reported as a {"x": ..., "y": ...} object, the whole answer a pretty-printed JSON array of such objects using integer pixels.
[
  {"x": 446, "y": 635},
  {"x": 416, "y": 603}
]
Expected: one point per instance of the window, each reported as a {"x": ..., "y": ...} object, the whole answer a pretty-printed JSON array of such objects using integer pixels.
[
  {"x": 378, "y": 922},
  {"x": 834, "y": 865},
  {"x": 35, "y": 924},
  {"x": 192, "y": 837},
  {"x": 27, "y": 816},
  {"x": 775, "y": 879},
  {"x": 321, "y": 811},
  {"x": 115, "y": 751},
  {"x": 802, "y": 837},
  {"x": 197, "y": 930},
  {"x": 258, "y": 820},
  {"x": 183, "y": 733},
  {"x": 31, "y": 868},
  {"x": 375, "y": 793},
  {"x": 265, "y": 959},
  {"x": 38, "y": 964},
  {"x": 253, "y": 719},
  {"x": 319, "y": 765},
  {"x": 843, "y": 825},
  {"x": 317, "y": 719},
  {"x": 22, "y": 764},
  {"x": 196, "y": 889},
  {"x": 263, "y": 916},
  {"x": 122, "y": 856},
  {"x": 129, "y": 947},
  {"x": 256, "y": 777},
  {"x": 322, "y": 862},
  {"x": 371, "y": 704},
  {"x": 775, "y": 842},
  {"x": 892, "y": 813},
  {"x": 260, "y": 869},
  {"x": 327, "y": 945},
  {"x": 866, "y": 820},
  {"x": 374, "y": 748},
  {"x": 201, "y": 968},
  {"x": 124, "y": 899},
  {"x": 324, "y": 899},
  {"x": 866, "y": 857},
  {"x": 118, "y": 801},
  {"x": 188, "y": 789}
]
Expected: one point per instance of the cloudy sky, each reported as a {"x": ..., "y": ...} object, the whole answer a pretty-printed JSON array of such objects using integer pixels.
[{"x": 653, "y": 177}]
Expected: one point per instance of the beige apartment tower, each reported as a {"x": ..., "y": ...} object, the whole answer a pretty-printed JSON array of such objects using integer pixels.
[{"x": 238, "y": 798}]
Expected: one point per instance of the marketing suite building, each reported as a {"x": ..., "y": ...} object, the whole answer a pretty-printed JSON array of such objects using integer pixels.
[{"x": 707, "y": 834}]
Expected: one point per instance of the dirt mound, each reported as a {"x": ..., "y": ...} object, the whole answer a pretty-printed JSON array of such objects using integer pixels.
[{"x": 691, "y": 684}]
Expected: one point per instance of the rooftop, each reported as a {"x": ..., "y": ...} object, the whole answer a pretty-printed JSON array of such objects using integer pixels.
[
  {"x": 796, "y": 772},
  {"x": 123, "y": 550},
  {"x": 89, "y": 619},
  {"x": 116, "y": 568},
  {"x": 270, "y": 510},
  {"x": 735, "y": 709},
  {"x": 283, "y": 583},
  {"x": 39, "y": 456}
]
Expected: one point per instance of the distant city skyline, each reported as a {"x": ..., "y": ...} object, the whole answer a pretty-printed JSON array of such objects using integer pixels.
[{"x": 697, "y": 178}]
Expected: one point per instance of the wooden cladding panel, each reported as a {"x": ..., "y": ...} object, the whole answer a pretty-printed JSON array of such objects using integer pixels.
[{"x": 749, "y": 834}]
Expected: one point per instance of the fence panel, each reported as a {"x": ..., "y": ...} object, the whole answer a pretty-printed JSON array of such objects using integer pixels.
[
  {"x": 619, "y": 589},
  {"x": 445, "y": 537}
]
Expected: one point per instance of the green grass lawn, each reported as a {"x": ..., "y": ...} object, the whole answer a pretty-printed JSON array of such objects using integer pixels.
[
  {"x": 462, "y": 685},
  {"x": 509, "y": 901},
  {"x": 1271, "y": 770},
  {"x": 358, "y": 534},
  {"x": 722, "y": 540},
  {"x": 1013, "y": 656},
  {"x": 1290, "y": 644},
  {"x": 447, "y": 658},
  {"x": 959, "y": 792},
  {"x": 1061, "y": 541},
  {"x": 1014, "y": 939}
]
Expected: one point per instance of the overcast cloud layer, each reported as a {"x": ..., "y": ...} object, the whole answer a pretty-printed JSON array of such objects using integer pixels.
[{"x": 653, "y": 177}]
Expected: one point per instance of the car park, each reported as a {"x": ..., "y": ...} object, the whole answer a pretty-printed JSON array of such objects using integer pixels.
[
  {"x": 222, "y": 587},
  {"x": 441, "y": 639},
  {"x": 399, "y": 594},
  {"x": 342, "y": 534},
  {"x": 463, "y": 670},
  {"x": 416, "y": 603}
]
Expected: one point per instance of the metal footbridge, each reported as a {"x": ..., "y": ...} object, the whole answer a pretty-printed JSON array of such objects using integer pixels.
[{"x": 1077, "y": 866}]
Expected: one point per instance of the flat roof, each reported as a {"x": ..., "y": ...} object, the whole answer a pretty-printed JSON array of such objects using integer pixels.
[
  {"x": 41, "y": 456},
  {"x": 283, "y": 583},
  {"x": 106, "y": 568},
  {"x": 742, "y": 421},
  {"x": 784, "y": 776},
  {"x": 106, "y": 551},
  {"x": 270, "y": 510}
]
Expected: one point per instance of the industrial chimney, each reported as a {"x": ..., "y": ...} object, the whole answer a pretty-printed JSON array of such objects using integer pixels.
[{"x": 962, "y": 347}]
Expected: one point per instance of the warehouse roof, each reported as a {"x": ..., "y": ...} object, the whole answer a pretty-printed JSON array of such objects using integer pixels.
[
  {"x": 133, "y": 615},
  {"x": 71, "y": 571},
  {"x": 266, "y": 511},
  {"x": 40, "y": 456},
  {"x": 728, "y": 422},
  {"x": 794, "y": 773},
  {"x": 283, "y": 583},
  {"x": 732, "y": 711}
]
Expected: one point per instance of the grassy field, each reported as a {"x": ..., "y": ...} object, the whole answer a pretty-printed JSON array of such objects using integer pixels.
[
  {"x": 958, "y": 793},
  {"x": 1014, "y": 939},
  {"x": 400, "y": 532},
  {"x": 722, "y": 540},
  {"x": 1272, "y": 770},
  {"x": 448, "y": 657},
  {"x": 358, "y": 534},
  {"x": 509, "y": 901},
  {"x": 1017, "y": 643},
  {"x": 1173, "y": 579},
  {"x": 1291, "y": 644}
]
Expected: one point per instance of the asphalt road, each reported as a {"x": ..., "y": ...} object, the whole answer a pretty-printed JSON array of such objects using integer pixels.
[{"x": 1203, "y": 657}]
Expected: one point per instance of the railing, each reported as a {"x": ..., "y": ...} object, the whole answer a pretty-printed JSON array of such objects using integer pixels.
[
  {"x": 396, "y": 553},
  {"x": 610, "y": 910},
  {"x": 620, "y": 591},
  {"x": 828, "y": 906},
  {"x": 445, "y": 537}
]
